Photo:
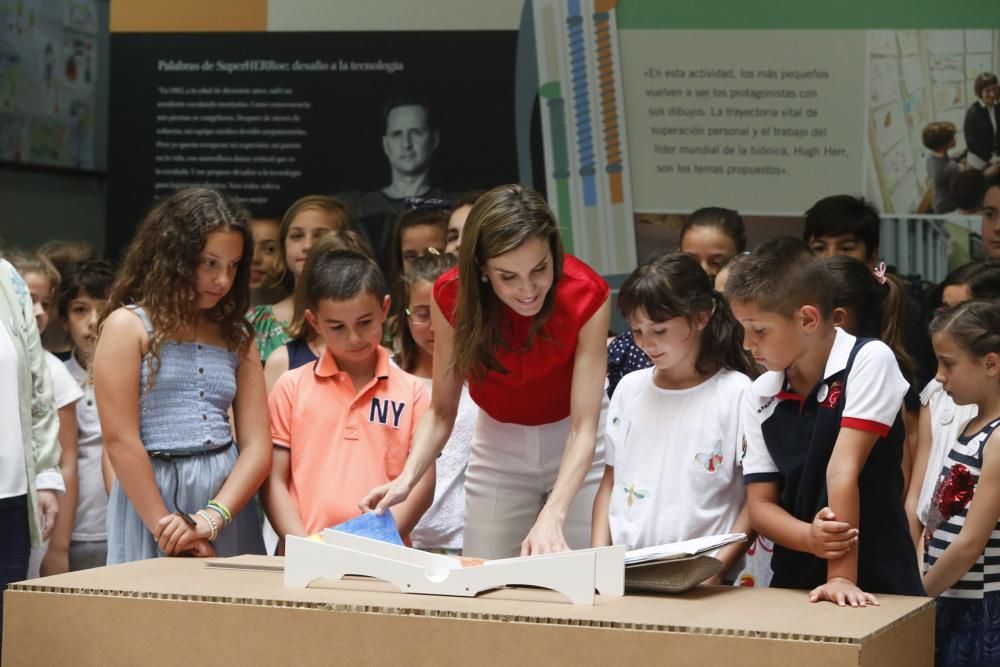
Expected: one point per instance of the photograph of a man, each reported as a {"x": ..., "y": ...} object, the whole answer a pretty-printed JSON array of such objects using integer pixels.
[{"x": 409, "y": 140}]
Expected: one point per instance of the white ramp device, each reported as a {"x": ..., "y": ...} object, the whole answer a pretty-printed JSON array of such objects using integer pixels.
[{"x": 575, "y": 574}]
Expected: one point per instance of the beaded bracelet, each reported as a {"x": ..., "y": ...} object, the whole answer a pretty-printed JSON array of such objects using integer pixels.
[
  {"x": 227, "y": 516},
  {"x": 211, "y": 524}
]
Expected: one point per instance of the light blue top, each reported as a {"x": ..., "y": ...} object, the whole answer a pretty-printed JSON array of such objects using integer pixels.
[{"x": 185, "y": 411}]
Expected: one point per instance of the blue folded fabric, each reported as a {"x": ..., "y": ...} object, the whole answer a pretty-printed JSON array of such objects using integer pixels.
[{"x": 373, "y": 526}]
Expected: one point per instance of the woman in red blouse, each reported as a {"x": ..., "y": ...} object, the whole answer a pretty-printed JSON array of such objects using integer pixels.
[{"x": 525, "y": 325}]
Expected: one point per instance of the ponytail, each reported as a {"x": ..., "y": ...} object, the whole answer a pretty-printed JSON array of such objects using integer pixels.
[
  {"x": 894, "y": 315},
  {"x": 722, "y": 341}
]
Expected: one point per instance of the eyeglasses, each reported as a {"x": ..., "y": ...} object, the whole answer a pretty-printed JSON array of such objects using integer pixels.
[{"x": 419, "y": 317}]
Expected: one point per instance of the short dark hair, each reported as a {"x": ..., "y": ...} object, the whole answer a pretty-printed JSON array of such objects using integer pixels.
[
  {"x": 983, "y": 81},
  {"x": 781, "y": 276},
  {"x": 937, "y": 136},
  {"x": 984, "y": 281},
  {"x": 726, "y": 220},
  {"x": 468, "y": 199},
  {"x": 407, "y": 100},
  {"x": 92, "y": 277},
  {"x": 341, "y": 275},
  {"x": 968, "y": 188},
  {"x": 843, "y": 215},
  {"x": 992, "y": 181}
]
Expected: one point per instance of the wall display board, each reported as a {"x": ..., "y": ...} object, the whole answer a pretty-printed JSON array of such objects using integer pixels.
[
  {"x": 625, "y": 113},
  {"x": 48, "y": 72}
]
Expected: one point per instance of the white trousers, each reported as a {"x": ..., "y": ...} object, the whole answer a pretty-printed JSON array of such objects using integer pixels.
[{"x": 512, "y": 469}]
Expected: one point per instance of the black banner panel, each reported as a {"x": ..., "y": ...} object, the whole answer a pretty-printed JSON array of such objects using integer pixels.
[{"x": 270, "y": 117}]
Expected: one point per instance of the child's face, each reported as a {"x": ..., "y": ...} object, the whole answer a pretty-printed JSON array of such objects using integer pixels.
[
  {"x": 952, "y": 295},
  {"x": 82, "y": 314},
  {"x": 710, "y": 246},
  {"x": 521, "y": 278},
  {"x": 668, "y": 344},
  {"x": 720, "y": 280},
  {"x": 40, "y": 288},
  {"x": 266, "y": 261},
  {"x": 351, "y": 329},
  {"x": 216, "y": 271},
  {"x": 414, "y": 242},
  {"x": 419, "y": 316},
  {"x": 845, "y": 244},
  {"x": 456, "y": 223},
  {"x": 306, "y": 228},
  {"x": 775, "y": 341},
  {"x": 962, "y": 375}
]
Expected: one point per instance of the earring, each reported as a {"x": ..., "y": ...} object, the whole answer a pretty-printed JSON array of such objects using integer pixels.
[{"x": 483, "y": 278}]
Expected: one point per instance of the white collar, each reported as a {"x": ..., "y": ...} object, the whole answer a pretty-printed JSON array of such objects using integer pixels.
[{"x": 772, "y": 383}]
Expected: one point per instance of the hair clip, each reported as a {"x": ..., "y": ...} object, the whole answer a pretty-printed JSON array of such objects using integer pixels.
[
  {"x": 434, "y": 251},
  {"x": 879, "y": 273},
  {"x": 426, "y": 203}
]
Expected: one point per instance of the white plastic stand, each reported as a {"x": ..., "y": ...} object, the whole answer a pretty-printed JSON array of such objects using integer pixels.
[{"x": 575, "y": 574}]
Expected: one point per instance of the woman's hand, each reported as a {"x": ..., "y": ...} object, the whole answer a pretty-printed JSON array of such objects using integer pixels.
[
  {"x": 383, "y": 497},
  {"x": 546, "y": 536},
  {"x": 48, "y": 510}
]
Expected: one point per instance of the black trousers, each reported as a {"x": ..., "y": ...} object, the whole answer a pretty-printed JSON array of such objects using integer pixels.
[{"x": 15, "y": 544}]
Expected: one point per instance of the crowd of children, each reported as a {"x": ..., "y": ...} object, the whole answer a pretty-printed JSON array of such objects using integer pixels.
[{"x": 238, "y": 378}]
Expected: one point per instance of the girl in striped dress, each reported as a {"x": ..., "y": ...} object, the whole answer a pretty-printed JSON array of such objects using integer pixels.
[{"x": 962, "y": 538}]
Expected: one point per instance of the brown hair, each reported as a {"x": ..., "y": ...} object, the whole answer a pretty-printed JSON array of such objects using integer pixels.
[
  {"x": 501, "y": 221},
  {"x": 431, "y": 217},
  {"x": 63, "y": 253},
  {"x": 342, "y": 239},
  {"x": 158, "y": 272},
  {"x": 423, "y": 269},
  {"x": 728, "y": 221},
  {"x": 674, "y": 285},
  {"x": 983, "y": 81},
  {"x": 879, "y": 310},
  {"x": 975, "y": 326},
  {"x": 36, "y": 263},
  {"x": 937, "y": 136},
  {"x": 338, "y": 211},
  {"x": 781, "y": 276}
]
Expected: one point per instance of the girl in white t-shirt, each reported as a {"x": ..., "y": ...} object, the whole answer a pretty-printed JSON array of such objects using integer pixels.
[
  {"x": 441, "y": 527},
  {"x": 674, "y": 435}
]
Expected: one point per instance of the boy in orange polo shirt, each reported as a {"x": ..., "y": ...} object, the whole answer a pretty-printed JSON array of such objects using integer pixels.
[{"x": 343, "y": 424}]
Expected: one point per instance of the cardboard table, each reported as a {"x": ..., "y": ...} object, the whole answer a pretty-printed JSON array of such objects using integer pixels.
[{"x": 172, "y": 611}]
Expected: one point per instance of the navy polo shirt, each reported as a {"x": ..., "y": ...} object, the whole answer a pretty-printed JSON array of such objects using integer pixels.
[{"x": 789, "y": 441}]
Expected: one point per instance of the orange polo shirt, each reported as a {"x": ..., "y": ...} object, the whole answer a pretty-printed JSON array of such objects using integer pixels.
[{"x": 342, "y": 442}]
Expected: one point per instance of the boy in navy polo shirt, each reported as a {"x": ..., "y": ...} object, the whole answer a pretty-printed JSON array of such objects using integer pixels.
[{"x": 823, "y": 435}]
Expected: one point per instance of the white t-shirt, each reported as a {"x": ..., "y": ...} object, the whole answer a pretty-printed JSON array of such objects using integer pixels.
[
  {"x": 675, "y": 454},
  {"x": 441, "y": 526},
  {"x": 13, "y": 473},
  {"x": 92, "y": 504},
  {"x": 65, "y": 389},
  {"x": 947, "y": 423}
]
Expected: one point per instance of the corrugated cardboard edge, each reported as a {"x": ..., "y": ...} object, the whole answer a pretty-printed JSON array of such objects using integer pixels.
[{"x": 472, "y": 616}]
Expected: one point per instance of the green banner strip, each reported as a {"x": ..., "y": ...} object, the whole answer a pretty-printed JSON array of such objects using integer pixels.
[{"x": 809, "y": 14}]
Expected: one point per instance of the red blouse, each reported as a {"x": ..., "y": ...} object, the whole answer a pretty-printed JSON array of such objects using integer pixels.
[{"x": 536, "y": 389}]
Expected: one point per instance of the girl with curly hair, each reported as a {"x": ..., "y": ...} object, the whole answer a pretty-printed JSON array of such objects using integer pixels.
[{"x": 174, "y": 354}]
